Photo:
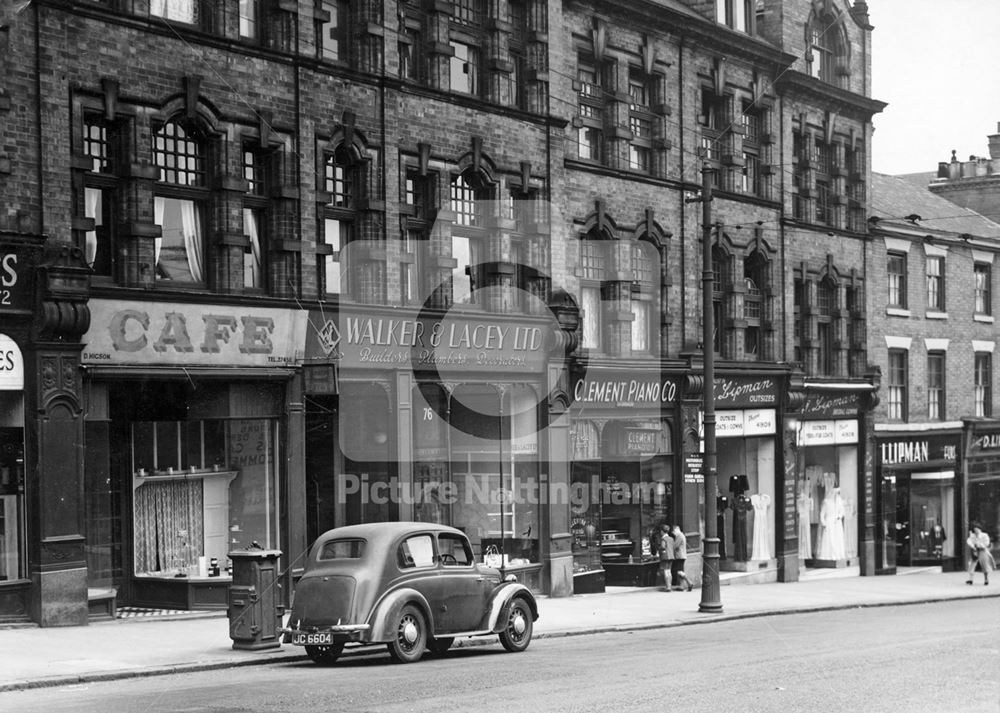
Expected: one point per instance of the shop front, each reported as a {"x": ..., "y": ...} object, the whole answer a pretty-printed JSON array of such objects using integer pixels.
[
  {"x": 436, "y": 418},
  {"x": 981, "y": 470},
  {"x": 747, "y": 445},
  {"x": 828, "y": 504},
  {"x": 917, "y": 504},
  {"x": 13, "y": 526},
  {"x": 192, "y": 446},
  {"x": 623, "y": 475}
]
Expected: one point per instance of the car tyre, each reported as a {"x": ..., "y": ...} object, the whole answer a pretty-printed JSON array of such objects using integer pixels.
[
  {"x": 409, "y": 637},
  {"x": 325, "y": 655},
  {"x": 440, "y": 644},
  {"x": 517, "y": 630}
]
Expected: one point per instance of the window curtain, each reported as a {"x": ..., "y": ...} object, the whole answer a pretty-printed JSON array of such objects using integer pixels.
[
  {"x": 169, "y": 525},
  {"x": 192, "y": 238},
  {"x": 251, "y": 261},
  {"x": 159, "y": 208},
  {"x": 92, "y": 205}
]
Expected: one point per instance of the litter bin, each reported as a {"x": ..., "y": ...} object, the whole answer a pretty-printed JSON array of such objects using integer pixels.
[{"x": 255, "y": 601}]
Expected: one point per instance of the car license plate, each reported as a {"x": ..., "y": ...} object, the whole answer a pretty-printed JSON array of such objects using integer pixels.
[{"x": 322, "y": 639}]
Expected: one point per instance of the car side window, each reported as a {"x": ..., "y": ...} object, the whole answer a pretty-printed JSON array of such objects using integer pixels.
[
  {"x": 455, "y": 551},
  {"x": 416, "y": 551}
]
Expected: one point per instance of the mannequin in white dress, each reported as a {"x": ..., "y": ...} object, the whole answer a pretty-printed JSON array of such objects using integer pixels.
[
  {"x": 761, "y": 545},
  {"x": 804, "y": 506}
]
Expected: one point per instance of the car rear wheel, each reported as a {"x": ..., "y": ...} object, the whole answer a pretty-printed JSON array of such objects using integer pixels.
[
  {"x": 325, "y": 654},
  {"x": 440, "y": 644},
  {"x": 410, "y": 636},
  {"x": 516, "y": 634}
]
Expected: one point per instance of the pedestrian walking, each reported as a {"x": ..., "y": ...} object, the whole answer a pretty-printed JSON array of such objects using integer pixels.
[
  {"x": 666, "y": 555},
  {"x": 677, "y": 572},
  {"x": 979, "y": 553}
]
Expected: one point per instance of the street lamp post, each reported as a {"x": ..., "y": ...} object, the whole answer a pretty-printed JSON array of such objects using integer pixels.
[{"x": 710, "y": 595}]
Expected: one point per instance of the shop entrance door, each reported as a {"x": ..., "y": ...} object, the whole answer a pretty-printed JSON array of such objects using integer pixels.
[{"x": 885, "y": 529}]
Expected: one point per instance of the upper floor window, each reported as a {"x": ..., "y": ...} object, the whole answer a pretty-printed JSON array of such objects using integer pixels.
[
  {"x": 332, "y": 29},
  {"x": 826, "y": 304},
  {"x": 751, "y": 121},
  {"x": 826, "y": 56},
  {"x": 250, "y": 19},
  {"x": 419, "y": 196},
  {"x": 180, "y": 202},
  {"x": 898, "y": 379},
  {"x": 101, "y": 145},
  {"x": 590, "y": 132},
  {"x": 593, "y": 263},
  {"x": 341, "y": 181},
  {"x": 188, "y": 11},
  {"x": 256, "y": 171},
  {"x": 755, "y": 278},
  {"x": 644, "y": 260},
  {"x": 896, "y": 269},
  {"x": 470, "y": 196},
  {"x": 983, "y": 288},
  {"x": 720, "y": 286},
  {"x": 737, "y": 14},
  {"x": 465, "y": 67},
  {"x": 641, "y": 89},
  {"x": 935, "y": 386},
  {"x": 983, "y": 384},
  {"x": 935, "y": 283}
]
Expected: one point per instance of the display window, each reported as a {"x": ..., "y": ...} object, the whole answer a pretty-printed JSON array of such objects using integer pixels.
[
  {"x": 475, "y": 466},
  {"x": 745, "y": 506},
  {"x": 827, "y": 504},
  {"x": 201, "y": 489},
  {"x": 12, "y": 515},
  {"x": 930, "y": 516},
  {"x": 984, "y": 500},
  {"x": 622, "y": 490}
]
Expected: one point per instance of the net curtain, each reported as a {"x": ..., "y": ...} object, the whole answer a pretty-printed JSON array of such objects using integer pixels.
[{"x": 169, "y": 527}]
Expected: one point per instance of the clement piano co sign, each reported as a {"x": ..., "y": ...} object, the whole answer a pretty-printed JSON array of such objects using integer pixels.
[{"x": 133, "y": 332}]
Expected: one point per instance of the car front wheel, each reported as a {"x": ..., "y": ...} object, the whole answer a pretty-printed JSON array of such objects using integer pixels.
[
  {"x": 516, "y": 634},
  {"x": 325, "y": 654},
  {"x": 410, "y": 636}
]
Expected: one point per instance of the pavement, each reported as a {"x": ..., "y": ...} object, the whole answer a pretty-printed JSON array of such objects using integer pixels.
[{"x": 33, "y": 657}]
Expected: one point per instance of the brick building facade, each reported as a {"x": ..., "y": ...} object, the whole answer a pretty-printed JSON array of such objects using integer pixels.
[
  {"x": 289, "y": 257},
  {"x": 932, "y": 332}
]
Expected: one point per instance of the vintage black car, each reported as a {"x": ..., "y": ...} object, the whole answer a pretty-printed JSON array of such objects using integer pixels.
[{"x": 413, "y": 586}]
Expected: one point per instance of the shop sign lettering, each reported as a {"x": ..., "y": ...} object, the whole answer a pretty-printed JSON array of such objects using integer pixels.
[
  {"x": 826, "y": 405},
  {"x": 11, "y": 365},
  {"x": 15, "y": 288},
  {"x": 625, "y": 392},
  {"x": 986, "y": 442},
  {"x": 896, "y": 452},
  {"x": 450, "y": 343},
  {"x": 145, "y": 333},
  {"x": 740, "y": 391}
]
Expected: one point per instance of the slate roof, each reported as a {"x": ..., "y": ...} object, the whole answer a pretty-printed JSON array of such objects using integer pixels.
[{"x": 893, "y": 198}]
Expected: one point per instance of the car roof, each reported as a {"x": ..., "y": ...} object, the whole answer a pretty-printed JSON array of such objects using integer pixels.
[{"x": 384, "y": 531}]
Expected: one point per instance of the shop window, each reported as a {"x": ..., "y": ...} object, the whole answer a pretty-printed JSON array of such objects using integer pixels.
[
  {"x": 898, "y": 383},
  {"x": 12, "y": 474},
  {"x": 201, "y": 489},
  {"x": 332, "y": 30},
  {"x": 827, "y": 505},
  {"x": 186, "y": 11},
  {"x": 983, "y": 384},
  {"x": 747, "y": 480},
  {"x": 931, "y": 516},
  {"x": 896, "y": 269},
  {"x": 935, "y": 283},
  {"x": 180, "y": 202},
  {"x": 935, "y": 386},
  {"x": 982, "y": 275}
]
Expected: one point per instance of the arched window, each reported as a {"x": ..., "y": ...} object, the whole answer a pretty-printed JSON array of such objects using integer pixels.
[
  {"x": 645, "y": 263},
  {"x": 593, "y": 266},
  {"x": 181, "y": 201},
  {"x": 755, "y": 278},
  {"x": 827, "y": 56},
  {"x": 341, "y": 183}
]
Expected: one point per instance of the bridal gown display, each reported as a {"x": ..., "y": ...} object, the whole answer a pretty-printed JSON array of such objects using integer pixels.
[
  {"x": 805, "y": 505},
  {"x": 831, "y": 519},
  {"x": 761, "y": 542}
]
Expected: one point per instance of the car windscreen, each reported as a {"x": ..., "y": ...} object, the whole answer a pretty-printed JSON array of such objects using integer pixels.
[{"x": 342, "y": 550}]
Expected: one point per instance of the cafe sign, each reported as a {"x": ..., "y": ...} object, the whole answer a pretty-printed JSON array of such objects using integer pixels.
[{"x": 164, "y": 333}]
